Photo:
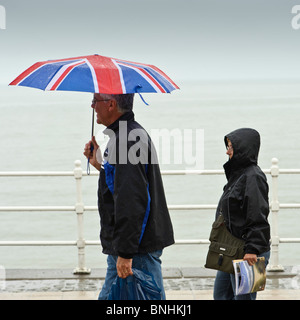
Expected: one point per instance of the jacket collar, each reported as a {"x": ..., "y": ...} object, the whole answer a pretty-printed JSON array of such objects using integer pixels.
[
  {"x": 128, "y": 116},
  {"x": 233, "y": 170}
]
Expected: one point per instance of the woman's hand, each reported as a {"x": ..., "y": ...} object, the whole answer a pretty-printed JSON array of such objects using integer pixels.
[{"x": 251, "y": 258}]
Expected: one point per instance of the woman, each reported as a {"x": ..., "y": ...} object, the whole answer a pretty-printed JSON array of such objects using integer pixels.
[{"x": 244, "y": 205}]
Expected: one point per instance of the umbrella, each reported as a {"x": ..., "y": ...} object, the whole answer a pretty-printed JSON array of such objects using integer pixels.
[{"x": 97, "y": 74}]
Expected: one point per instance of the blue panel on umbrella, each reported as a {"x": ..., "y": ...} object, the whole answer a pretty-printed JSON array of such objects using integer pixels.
[
  {"x": 41, "y": 77},
  {"x": 79, "y": 79},
  {"x": 168, "y": 87},
  {"x": 132, "y": 79}
]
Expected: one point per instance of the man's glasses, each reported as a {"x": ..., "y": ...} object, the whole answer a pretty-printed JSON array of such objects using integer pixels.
[{"x": 94, "y": 101}]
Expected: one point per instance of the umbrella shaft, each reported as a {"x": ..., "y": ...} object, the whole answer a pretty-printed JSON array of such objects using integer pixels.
[{"x": 93, "y": 116}]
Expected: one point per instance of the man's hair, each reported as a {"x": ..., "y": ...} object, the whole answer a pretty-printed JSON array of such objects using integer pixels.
[{"x": 124, "y": 101}]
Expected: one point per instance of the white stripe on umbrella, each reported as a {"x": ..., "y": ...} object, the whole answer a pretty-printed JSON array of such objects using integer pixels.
[
  {"x": 121, "y": 75},
  {"x": 93, "y": 75},
  {"x": 56, "y": 81}
]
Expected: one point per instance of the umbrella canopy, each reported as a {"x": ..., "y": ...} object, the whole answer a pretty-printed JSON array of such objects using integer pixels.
[{"x": 96, "y": 74}]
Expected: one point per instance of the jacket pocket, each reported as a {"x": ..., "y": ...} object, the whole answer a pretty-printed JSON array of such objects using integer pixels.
[{"x": 222, "y": 248}]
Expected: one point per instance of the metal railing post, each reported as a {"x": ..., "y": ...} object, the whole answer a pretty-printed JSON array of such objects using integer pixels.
[
  {"x": 274, "y": 260},
  {"x": 79, "y": 209}
]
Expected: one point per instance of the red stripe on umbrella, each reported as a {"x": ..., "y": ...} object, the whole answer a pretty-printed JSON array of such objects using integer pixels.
[{"x": 107, "y": 76}]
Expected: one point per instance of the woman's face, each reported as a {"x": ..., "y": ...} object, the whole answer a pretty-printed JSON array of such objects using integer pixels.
[{"x": 229, "y": 151}]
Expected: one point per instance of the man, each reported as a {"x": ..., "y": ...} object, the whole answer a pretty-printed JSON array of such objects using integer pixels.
[{"x": 135, "y": 222}]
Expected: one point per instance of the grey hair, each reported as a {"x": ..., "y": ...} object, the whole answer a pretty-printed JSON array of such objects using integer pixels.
[{"x": 124, "y": 101}]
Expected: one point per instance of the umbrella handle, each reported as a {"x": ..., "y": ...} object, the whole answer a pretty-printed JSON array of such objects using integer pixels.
[
  {"x": 93, "y": 116},
  {"x": 88, "y": 170}
]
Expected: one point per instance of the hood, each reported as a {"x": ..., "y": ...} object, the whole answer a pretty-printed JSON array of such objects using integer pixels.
[{"x": 246, "y": 144}]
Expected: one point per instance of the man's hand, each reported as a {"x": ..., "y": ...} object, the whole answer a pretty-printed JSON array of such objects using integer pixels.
[
  {"x": 124, "y": 267},
  {"x": 92, "y": 154},
  {"x": 250, "y": 258}
]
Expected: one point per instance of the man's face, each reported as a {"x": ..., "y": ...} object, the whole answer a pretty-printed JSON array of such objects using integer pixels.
[{"x": 101, "y": 105}]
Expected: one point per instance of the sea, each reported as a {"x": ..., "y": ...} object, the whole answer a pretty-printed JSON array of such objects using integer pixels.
[{"x": 47, "y": 131}]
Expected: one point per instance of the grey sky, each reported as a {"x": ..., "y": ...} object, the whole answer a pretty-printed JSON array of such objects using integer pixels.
[{"x": 188, "y": 39}]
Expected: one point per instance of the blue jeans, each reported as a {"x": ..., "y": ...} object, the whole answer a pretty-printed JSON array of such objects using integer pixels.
[
  {"x": 224, "y": 287},
  {"x": 149, "y": 262}
]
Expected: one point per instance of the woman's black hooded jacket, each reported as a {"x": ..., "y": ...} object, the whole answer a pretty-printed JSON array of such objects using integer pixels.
[{"x": 244, "y": 203}]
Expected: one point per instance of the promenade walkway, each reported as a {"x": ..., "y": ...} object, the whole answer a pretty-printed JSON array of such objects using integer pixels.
[{"x": 180, "y": 284}]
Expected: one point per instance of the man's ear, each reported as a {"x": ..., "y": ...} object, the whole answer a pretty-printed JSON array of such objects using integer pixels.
[{"x": 112, "y": 105}]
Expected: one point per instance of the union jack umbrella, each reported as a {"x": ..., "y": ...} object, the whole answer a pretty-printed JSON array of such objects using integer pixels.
[{"x": 96, "y": 74}]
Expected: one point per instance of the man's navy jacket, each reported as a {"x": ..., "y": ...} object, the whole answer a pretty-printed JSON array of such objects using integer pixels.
[{"x": 133, "y": 211}]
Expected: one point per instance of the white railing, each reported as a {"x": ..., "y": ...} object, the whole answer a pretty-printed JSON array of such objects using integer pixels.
[{"x": 79, "y": 208}]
